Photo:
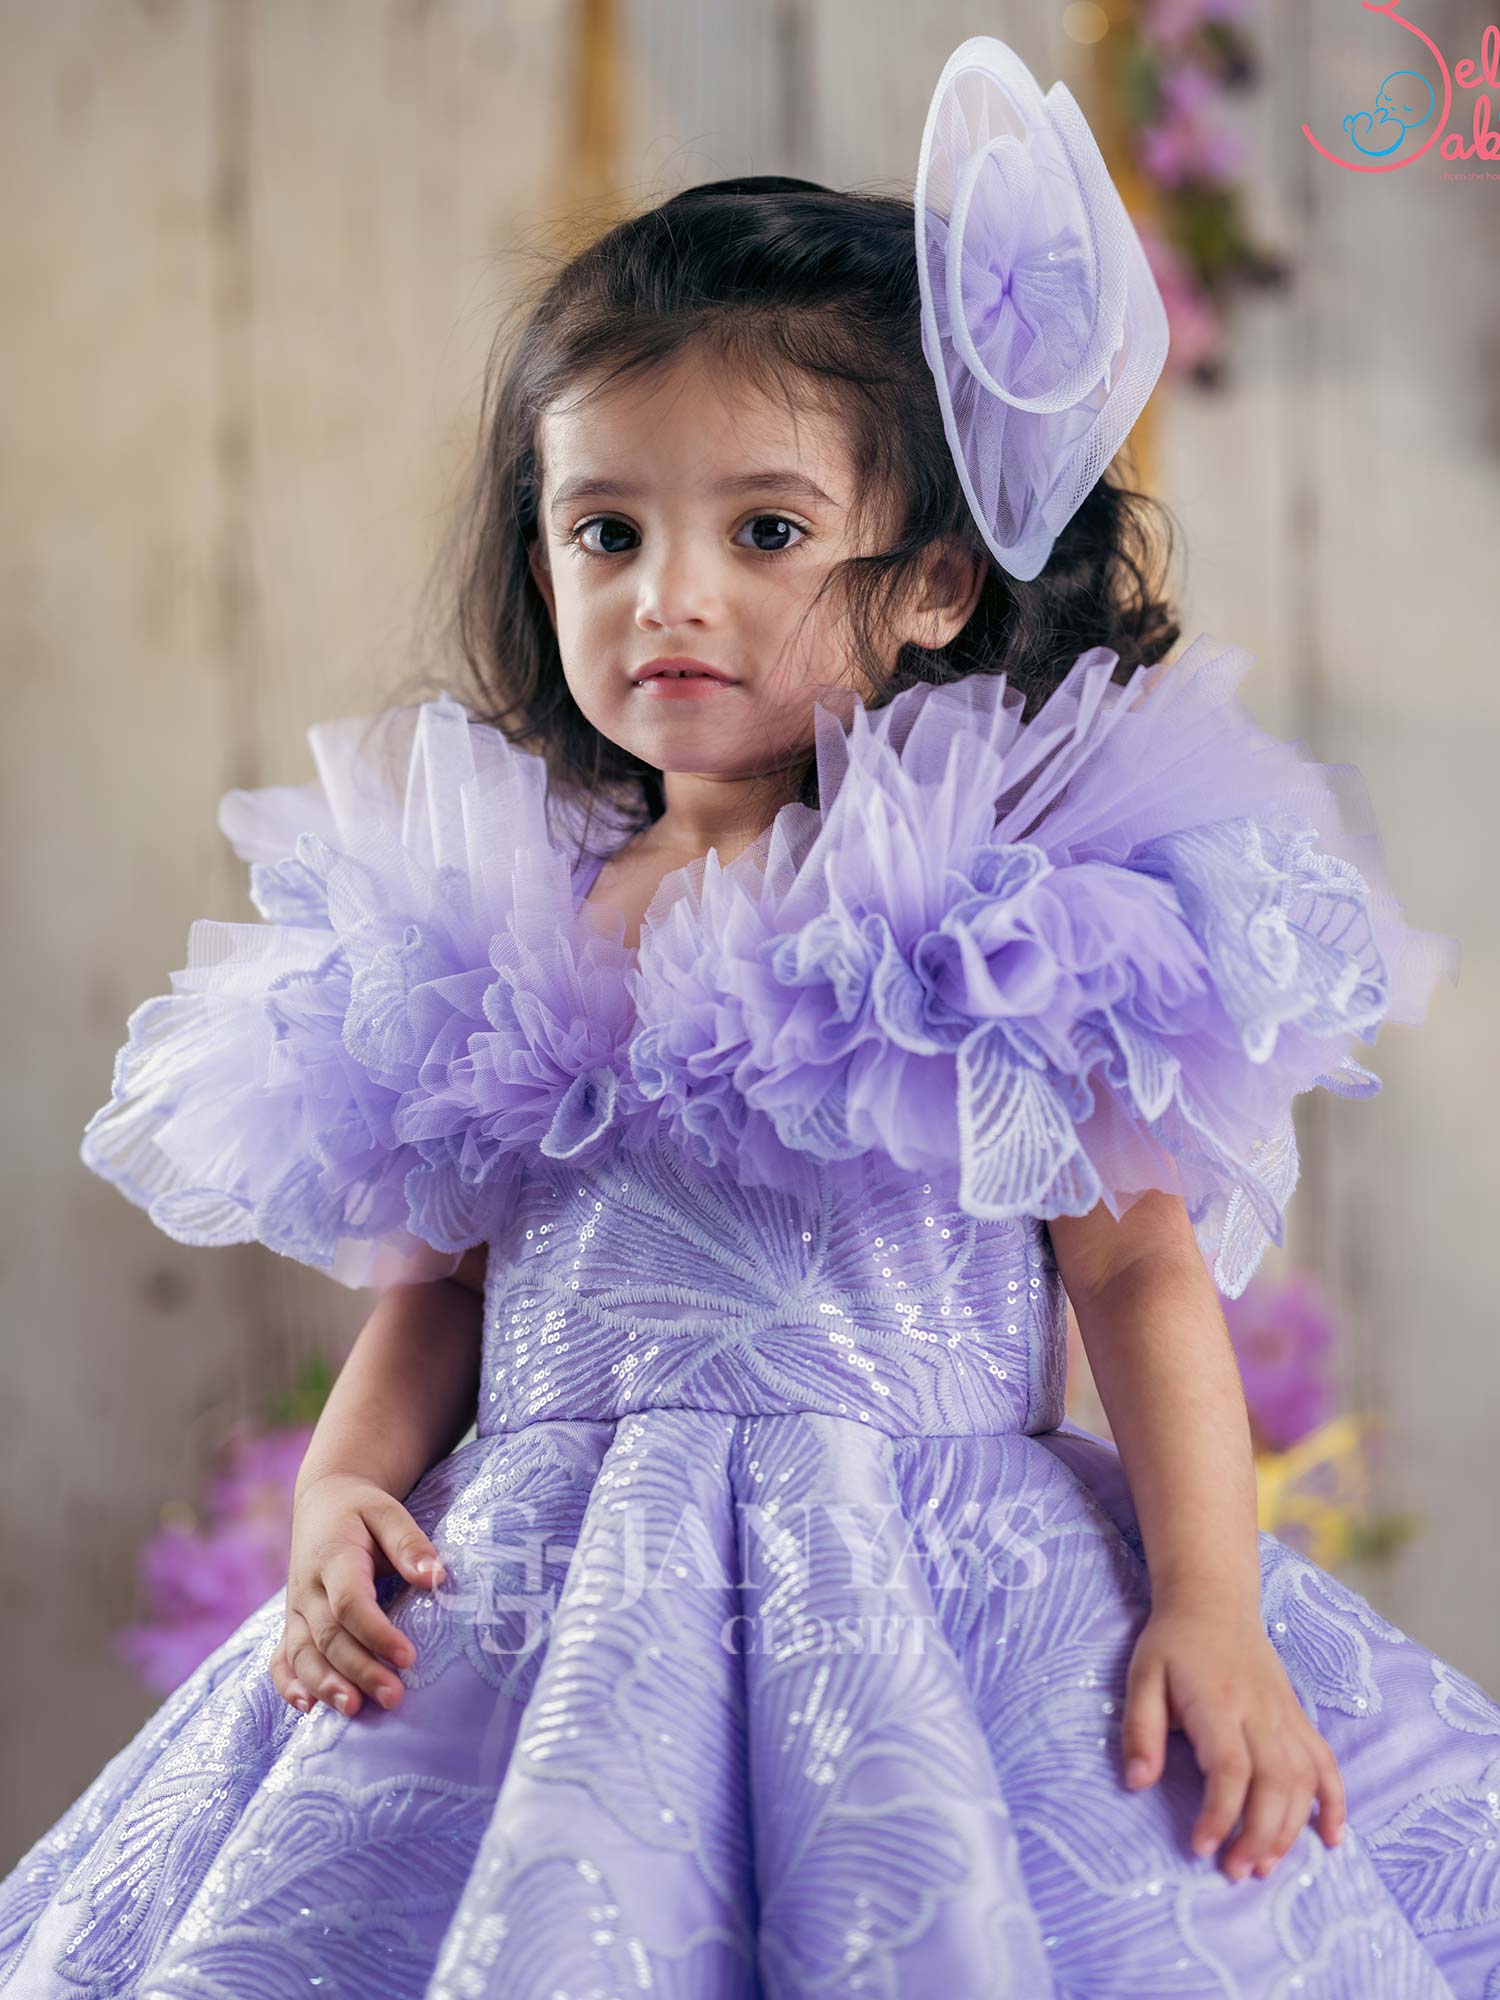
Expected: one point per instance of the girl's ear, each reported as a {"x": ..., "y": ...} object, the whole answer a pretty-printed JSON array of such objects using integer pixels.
[
  {"x": 542, "y": 575},
  {"x": 945, "y": 603}
]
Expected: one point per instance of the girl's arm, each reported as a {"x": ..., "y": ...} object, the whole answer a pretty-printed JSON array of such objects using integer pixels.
[
  {"x": 409, "y": 1389},
  {"x": 1151, "y": 1324},
  {"x": 1159, "y": 1348},
  {"x": 402, "y": 1400}
]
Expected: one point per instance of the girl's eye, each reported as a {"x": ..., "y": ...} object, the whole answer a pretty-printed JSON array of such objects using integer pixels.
[
  {"x": 611, "y": 524},
  {"x": 605, "y": 521},
  {"x": 777, "y": 521}
]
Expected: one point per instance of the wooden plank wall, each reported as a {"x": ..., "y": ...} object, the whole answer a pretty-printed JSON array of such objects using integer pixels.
[
  {"x": 1341, "y": 509},
  {"x": 254, "y": 252}
]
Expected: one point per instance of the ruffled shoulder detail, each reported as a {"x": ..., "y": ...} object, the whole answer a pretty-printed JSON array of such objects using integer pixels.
[
  {"x": 1060, "y": 961},
  {"x": 349, "y": 1080}
]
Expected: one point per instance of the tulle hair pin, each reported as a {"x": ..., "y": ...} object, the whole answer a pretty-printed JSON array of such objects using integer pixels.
[{"x": 1041, "y": 321}]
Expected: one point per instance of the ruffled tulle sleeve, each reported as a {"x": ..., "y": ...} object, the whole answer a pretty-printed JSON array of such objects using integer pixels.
[
  {"x": 1061, "y": 961},
  {"x": 353, "y": 1080}
]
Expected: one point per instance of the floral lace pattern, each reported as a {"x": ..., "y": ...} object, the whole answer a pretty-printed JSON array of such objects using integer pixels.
[{"x": 767, "y": 1704}]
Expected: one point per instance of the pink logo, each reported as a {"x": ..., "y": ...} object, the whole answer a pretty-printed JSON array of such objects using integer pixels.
[{"x": 1405, "y": 120}]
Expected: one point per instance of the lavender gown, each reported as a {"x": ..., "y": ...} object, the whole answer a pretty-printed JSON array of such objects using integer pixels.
[{"x": 784, "y": 1646}]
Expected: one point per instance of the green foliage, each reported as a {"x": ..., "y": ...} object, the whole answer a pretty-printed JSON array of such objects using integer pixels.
[{"x": 302, "y": 1403}]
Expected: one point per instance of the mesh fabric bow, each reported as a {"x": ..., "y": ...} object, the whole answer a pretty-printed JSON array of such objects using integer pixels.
[{"x": 1041, "y": 321}]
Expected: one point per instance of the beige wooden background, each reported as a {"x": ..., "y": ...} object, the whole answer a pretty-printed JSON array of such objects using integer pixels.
[{"x": 253, "y": 252}]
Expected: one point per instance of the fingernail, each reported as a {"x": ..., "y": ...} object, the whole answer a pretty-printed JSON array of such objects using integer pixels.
[
  {"x": 1137, "y": 1771},
  {"x": 341, "y": 1700},
  {"x": 385, "y": 1696}
]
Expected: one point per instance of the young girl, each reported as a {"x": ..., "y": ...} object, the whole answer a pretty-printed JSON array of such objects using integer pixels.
[{"x": 830, "y": 933}]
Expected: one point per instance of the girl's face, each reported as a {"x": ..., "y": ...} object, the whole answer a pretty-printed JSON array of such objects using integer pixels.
[{"x": 685, "y": 515}]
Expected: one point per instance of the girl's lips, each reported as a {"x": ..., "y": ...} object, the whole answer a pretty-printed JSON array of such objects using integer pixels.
[{"x": 676, "y": 687}]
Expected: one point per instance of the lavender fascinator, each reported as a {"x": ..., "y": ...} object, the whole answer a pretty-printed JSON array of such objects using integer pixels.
[{"x": 1041, "y": 321}]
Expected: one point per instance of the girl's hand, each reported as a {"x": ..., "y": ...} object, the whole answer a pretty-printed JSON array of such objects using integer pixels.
[
  {"x": 347, "y": 1531},
  {"x": 1217, "y": 1678}
]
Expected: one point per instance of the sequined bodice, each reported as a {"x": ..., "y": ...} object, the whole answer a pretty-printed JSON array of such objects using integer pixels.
[{"x": 855, "y": 1291}]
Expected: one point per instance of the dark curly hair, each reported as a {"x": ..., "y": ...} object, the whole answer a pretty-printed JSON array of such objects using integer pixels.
[{"x": 813, "y": 295}]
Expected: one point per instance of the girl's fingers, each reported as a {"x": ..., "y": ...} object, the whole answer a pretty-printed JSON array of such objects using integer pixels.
[
  {"x": 1332, "y": 1806},
  {"x": 349, "y": 1585},
  {"x": 315, "y": 1672},
  {"x": 410, "y": 1553},
  {"x": 349, "y": 1659},
  {"x": 1293, "y": 1820},
  {"x": 1143, "y": 1735},
  {"x": 1224, "y": 1759},
  {"x": 285, "y": 1681},
  {"x": 1265, "y": 1811}
]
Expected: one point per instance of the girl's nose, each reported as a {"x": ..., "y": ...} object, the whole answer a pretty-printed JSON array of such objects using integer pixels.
[{"x": 677, "y": 588}]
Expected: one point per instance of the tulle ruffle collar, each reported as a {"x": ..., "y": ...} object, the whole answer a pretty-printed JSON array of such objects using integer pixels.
[{"x": 1058, "y": 960}]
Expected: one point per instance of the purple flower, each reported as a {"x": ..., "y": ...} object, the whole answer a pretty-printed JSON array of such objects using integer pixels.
[
  {"x": 1181, "y": 150},
  {"x": 1188, "y": 89},
  {"x": 1283, "y": 1338},
  {"x": 1197, "y": 324},
  {"x": 201, "y": 1585},
  {"x": 202, "y": 1582},
  {"x": 261, "y": 1473},
  {"x": 1172, "y": 22}
]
